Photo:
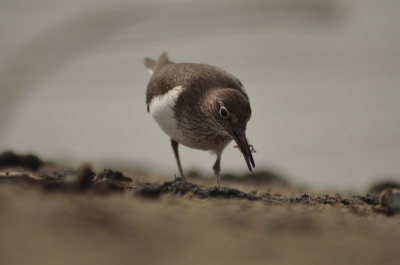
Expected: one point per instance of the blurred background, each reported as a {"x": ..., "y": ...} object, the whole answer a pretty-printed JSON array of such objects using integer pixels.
[{"x": 322, "y": 75}]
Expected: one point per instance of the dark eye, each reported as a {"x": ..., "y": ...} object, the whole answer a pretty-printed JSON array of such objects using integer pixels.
[{"x": 223, "y": 112}]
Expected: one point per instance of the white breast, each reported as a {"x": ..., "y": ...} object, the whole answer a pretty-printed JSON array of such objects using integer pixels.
[{"x": 161, "y": 107}]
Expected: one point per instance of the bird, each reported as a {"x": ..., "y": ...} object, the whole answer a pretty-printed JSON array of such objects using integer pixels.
[{"x": 199, "y": 106}]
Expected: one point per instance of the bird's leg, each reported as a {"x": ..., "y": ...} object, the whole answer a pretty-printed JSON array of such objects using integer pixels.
[
  {"x": 217, "y": 169},
  {"x": 178, "y": 161}
]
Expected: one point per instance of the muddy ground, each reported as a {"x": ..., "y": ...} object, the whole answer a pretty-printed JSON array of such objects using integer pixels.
[{"x": 50, "y": 214}]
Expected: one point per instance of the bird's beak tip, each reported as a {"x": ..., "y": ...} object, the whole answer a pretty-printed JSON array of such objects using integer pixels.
[{"x": 241, "y": 140}]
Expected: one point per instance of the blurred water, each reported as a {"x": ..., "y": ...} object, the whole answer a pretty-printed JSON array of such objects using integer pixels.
[{"x": 323, "y": 78}]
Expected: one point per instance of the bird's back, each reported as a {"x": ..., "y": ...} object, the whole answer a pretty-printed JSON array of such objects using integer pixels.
[{"x": 200, "y": 77}]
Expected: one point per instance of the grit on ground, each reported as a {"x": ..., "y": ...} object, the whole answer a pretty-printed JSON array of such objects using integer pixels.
[{"x": 55, "y": 215}]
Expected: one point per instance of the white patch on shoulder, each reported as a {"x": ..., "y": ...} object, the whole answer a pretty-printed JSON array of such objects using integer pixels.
[
  {"x": 150, "y": 71},
  {"x": 243, "y": 89},
  {"x": 161, "y": 107}
]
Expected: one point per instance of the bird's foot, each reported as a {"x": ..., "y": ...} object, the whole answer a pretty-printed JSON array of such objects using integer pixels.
[
  {"x": 218, "y": 183},
  {"x": 179, "y": 178}
]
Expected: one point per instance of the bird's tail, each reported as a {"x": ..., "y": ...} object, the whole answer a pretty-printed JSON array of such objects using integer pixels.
[{"x": 152, "y": 66}]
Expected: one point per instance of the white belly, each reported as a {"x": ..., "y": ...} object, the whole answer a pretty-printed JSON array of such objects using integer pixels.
[{"x": 161, "y": 107}]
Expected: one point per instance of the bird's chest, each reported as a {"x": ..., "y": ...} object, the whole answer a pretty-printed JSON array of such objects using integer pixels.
[{"x": 190, "y": 129}]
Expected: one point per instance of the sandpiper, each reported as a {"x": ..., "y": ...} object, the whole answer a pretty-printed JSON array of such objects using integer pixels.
[{"x": 199, "y": 106}]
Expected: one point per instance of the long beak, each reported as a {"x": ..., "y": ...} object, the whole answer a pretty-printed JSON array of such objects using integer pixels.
[{"x": 241, "y": 140}]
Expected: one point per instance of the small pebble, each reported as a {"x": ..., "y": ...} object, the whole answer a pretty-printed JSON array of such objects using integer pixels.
[{"x": 390, "y": 200}]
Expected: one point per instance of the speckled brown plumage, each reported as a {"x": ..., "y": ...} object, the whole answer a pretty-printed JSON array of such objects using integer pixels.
[{"x": 205, "y": 91}]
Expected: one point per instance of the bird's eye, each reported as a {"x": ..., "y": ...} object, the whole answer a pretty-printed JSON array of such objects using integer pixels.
[{"x": 223, "y": 112}]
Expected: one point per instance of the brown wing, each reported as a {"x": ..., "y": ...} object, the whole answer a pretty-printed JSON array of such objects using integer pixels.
[{"x": 199, "y": 77}]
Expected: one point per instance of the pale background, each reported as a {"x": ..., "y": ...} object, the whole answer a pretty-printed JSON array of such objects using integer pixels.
[{"x": 323, "y": 77}]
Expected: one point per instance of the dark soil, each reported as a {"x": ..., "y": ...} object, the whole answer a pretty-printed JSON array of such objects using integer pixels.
[{"x": 32, "y": 171}]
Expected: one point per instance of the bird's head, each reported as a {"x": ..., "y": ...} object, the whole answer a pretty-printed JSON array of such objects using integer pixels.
[{"x": 231, "y": 111}]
